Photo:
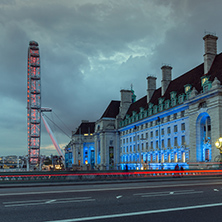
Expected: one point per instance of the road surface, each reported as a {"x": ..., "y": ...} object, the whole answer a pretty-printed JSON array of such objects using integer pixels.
[{"x": 179, "y": 199}]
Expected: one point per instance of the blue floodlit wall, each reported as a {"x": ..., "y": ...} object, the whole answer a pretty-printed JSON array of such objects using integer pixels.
[
  {"x": 158, "y": 154},
  {"x": 88, "y": 153},
  {"x": 68, "y": 157}
]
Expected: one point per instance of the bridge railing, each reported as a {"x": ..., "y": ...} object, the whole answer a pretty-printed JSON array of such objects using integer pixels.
[{"x": 8, "y": 177}]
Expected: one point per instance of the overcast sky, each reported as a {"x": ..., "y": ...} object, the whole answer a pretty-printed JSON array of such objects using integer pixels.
[{"x": 89, "y": 51}]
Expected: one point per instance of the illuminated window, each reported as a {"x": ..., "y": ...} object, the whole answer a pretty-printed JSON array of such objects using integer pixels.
[
  {"x": 169, "y": 158},
  {"x": 204, "y": 79},
  {"x": 175, "y": 158},
  {"x": 187, "y": 88}
]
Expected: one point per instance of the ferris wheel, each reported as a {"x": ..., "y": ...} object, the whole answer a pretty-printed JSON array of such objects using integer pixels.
[{"x": 33, "y": 104}]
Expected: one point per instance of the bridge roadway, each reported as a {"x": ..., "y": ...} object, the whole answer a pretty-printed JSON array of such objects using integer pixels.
[{"x": 175, "y": 199}]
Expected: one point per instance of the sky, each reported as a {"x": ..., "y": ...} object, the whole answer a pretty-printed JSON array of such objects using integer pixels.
[{"x": 89, "y": 51}]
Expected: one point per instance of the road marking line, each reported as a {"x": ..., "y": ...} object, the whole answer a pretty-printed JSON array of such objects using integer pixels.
[
  {"x": 50, "y": 201},
  {"x": 167, "y": 194},
  {"x": 216, "y": 190},
  {"x": 163, "y": 192},
  {"x": 138, "y": 213},
  {"x": 117, "y": 197},
  {"x": 107, "y": 189},
  {"x": 58, "y": 201},
  {"x": 30, "y": 201}
]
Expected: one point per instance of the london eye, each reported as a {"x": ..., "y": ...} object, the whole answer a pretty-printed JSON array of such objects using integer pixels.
[{"x": 33, "y": 105}]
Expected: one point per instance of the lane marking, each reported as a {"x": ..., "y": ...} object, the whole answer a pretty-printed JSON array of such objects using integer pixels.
[
  {"x": 117, "y": 197},
  {"x": 41, "y": 202},
  {"x": 50, "y": 201},
  {"x": 216, "y": 190},
  {"x": 109, "y": 189},
  {"x": 138, "y": 213},
  {"x": 56, "y": 202},
  {"x": 163, "y": 192},
  {"x": 167, "y": 194}
]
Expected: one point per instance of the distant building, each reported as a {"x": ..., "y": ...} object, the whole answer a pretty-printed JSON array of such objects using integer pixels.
[{"x": 177, "y": 123}]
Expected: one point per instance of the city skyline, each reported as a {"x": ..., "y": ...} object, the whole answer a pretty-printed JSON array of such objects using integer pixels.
[{"x": 89, "y": 51}]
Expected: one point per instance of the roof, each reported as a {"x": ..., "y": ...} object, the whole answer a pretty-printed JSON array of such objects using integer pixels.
[
  {"x": 192, "y": 77},
  {"x": 112, "y": 110},
  {"x": 86, "y": 128}
]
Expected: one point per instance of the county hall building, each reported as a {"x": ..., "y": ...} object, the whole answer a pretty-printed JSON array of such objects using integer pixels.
[{"x": 177, "y": 123}]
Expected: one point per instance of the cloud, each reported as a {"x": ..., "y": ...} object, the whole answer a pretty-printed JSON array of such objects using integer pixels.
[{"x": 90, "y": 50}]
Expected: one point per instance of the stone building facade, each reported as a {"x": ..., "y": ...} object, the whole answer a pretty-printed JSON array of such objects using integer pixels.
[{"x": 177, "y": 123}]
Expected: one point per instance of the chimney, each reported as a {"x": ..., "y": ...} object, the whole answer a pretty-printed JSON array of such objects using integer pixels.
[
  {"x": 210, "y": 46},
  {"x": 166, "y": 78},
  {"x": 126, "y": 101},
  {"x": 151, "y": 87}
]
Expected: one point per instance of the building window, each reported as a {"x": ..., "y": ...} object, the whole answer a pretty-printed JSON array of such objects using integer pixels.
[
  {"x": 168, "y": 118},
  {"x": 175, "y": 141},
  {"x": 174, "y": 115},
  {"x": 162, "y": 131},
  {"x": 147, "y": 146},
  {"x": 175, "y": 128},
  {"x": 168, "y": 130},
  {"x": 182, "y": 113},
  {"x": 168, "y": 143},
  {"x": 162, "y": 120},
  {"x": 202, "y": 105},
  {"x": 157, "y": 132},
  {"x": 151, "y": 144},
  {"x": 183, "y": 126},
  {"x": 151, "y": 134},
  {"x": 183, "y": 140},
  {"x": 146, "y": 135},
  {"x": 162, "y": 144},
  {"x": 157, "y": 145}
]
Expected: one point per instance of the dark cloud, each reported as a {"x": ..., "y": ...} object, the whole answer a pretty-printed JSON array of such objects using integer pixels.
[{"x": 89, "y": 51}]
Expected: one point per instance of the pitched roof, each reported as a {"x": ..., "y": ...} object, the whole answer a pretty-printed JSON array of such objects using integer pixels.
[
  {"x": 86, "y": 128},
  {"x": 112, "y": 110},
  {"x": 192, "y": 77}
]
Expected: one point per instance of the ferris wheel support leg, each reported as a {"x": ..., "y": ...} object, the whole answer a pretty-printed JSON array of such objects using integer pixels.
[{"x": 55, "y": 143}]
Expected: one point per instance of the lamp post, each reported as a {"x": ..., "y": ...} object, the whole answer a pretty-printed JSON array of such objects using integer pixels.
[{"x": 218, "y": 144}]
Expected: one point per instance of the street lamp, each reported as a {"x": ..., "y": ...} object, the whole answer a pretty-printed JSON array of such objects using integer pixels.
[{"x": 218, "y": 144}]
